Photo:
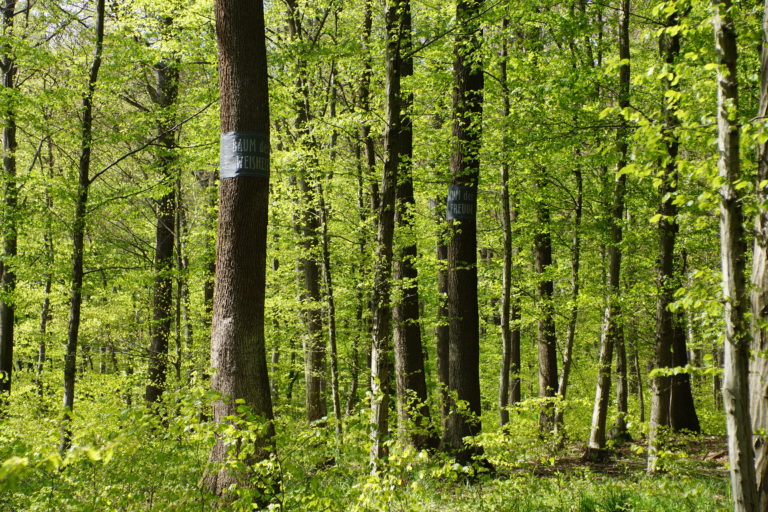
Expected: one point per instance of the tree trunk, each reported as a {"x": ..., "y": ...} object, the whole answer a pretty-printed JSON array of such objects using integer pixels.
[
  {"x": 412, "y": 406},
  {"x": 380, "y": 298},
  {"x": 164, "y": 97},
  {"x": 442, "y": 328},
  {"x": 10, "y": 228},
  {"x": 545, "y": 290},
  {"x": 238, "y": 351},
  {"x": 464, "y": 336},
  {"x": 506, "y": 272},
  {"x": 759, "y": 366},
  {"x": 669, "y": 48},
  {"x": 311, "y": 298},
  {"x": 573, "y": 313},
  {"x": 682, "y": 410},
  {"x": 78, "y": 232},
  {"x": 612, "y": 324},
  {"x": 733, "y": 253},
  {"x": 331, "y": 308}
]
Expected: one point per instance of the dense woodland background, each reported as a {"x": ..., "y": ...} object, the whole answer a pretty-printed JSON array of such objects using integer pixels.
[{"x": 598, "y": 255}]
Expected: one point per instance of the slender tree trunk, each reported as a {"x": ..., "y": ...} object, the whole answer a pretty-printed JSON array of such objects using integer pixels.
[
  {"x": 573, "y": 313},
  {"x": 380, "y": 298},
  {"x": 506, "y": 273},
  {"x": 545, "y": 290},
  {"x": 759, "y": 365},
  {"x": 10, "y": 221},
  {"x": 442, "y": 328},
  {"x": 311, "y": 297},
  {"x": 733, "y": 253},
  {"x": 164, "y": 96},
  {"x": 612, "y": 324},
  {"x": 78, "y": 232},
  {"x": 238, "y": 351},
  {"x": 464, "y": 336},
  {"x": 362, "y": 324},
  {"x": 331, "y": 308}
]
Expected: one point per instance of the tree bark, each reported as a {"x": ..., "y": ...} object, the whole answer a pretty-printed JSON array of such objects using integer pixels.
[
  {"x": 78, "y": 232},
  {"x": 412, "y": 406},
  {"x": 612, "y": 329},
  {"x": 464, "y": 336},
  {"x": 545, "y": 290},
  {"x": 309, "y": 229},
  {"x": 733, "y": 253},
  {"x": 164, "y": 97},
  {"x": 506, "y": 272},
  {"x": 669, "y": 48},
  {"x": 573, "y": 313},
  {"x": 759, "y": 365},
  {"x": 10, "y": 221},
  {"x": 238, "y": 351},
  {"x": 380, "y": 297}
]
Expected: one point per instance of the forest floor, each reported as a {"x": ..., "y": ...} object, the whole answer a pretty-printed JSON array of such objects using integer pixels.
[{"x": 124, "y": 459}]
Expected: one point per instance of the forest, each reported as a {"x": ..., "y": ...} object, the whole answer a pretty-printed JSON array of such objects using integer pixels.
[{"x": 393, "y": 255}]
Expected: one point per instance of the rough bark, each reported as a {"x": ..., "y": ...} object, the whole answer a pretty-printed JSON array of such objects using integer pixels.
[
  {"x": 442, "y": 328},
  {"x": 464, "y": 336},
  {"x": 238, "y": 351},
  {"x": 682, "y": 410},
  {"x": 733, "y": 253},
  {"x": 412, "y": 406},
  {"x": 78, "y": 232}
]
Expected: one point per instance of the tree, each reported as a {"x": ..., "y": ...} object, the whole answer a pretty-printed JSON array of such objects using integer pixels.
[
  {"x": 412, "y": 406},
  {"x": 732, "y": 257},
  {"x": 78, "y": 231},
  {"x": 463, "y": 320},
  {"x": 10, "y": 235},
  {"x": 164, "y": 95},
  {"x": 238, "y": 352},
  {"x": 395, "y": 25},
  {"x": 612, "y": 329},
  {"x": 758, "y": 383}
]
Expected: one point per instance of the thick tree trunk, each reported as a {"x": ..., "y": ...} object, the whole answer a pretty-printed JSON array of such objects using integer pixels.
[
  {"x": 238, "y": 351},
  {"x": 380, "y": 298},
  {"x": 464, "y": 335},
  {"x": 669, "y": 48},
  {"x": 164, "y": 97},
  {"x": 412, "y": 406},
  {"x": 733, "y": 253},
  {"x": 759, "y": 366},
  {"x": 78, "y": 232},
  {"x": 9, "y": 228},
  {"x": 682, "y": 410},
  {"x": 612, "y": 329}
]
